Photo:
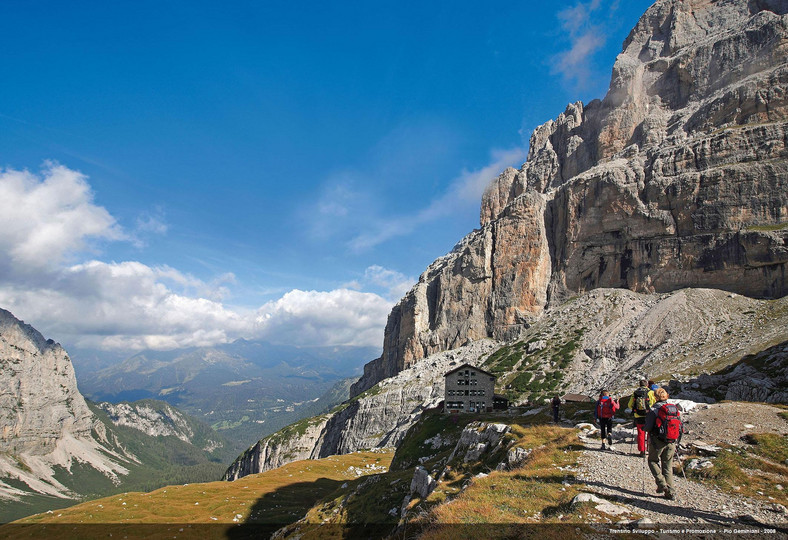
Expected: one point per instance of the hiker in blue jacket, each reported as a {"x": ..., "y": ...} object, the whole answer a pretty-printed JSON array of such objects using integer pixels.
[{"x": 604, "y": 412}]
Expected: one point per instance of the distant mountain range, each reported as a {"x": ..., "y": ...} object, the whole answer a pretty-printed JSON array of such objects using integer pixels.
[{"x": 245, "y": 389}]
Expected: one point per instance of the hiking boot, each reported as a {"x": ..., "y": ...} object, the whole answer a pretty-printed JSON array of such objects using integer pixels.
[
  {"x": 669, "y": 495},
  {"x": 660, "y": 489},
  {"x": 642, "y": 453},
  {"x": 603, "y": 446}
]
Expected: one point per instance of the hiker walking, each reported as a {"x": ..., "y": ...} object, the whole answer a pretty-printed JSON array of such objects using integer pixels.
[
  {"x": 556, "y": 403},
  {"x": 664, "y": 428},
  {"x": 641, "y": 401},
  {"x": 604, "y": 412}
]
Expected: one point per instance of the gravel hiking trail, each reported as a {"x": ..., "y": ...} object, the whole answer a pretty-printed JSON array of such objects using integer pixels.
[{"x": 621, "y": 475}]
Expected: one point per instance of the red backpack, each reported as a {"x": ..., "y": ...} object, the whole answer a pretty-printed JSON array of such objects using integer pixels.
[
  {"x": 668, "y": 426},
  {"x": 605, "y": 408}
]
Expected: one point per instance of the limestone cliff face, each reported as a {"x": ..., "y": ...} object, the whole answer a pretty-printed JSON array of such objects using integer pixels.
[
  {"x": 44, "y": 420},
  {"x": 677, "y": 178},
  {"x": 39, "y": 401}
]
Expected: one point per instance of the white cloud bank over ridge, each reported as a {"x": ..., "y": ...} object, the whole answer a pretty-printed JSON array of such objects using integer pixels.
[{"x": 49, "y": 219}]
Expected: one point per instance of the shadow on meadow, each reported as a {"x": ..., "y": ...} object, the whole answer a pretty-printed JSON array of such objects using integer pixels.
[{"x": 283, "y": 506}]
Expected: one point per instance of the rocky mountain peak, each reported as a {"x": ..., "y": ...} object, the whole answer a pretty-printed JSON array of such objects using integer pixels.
[
  {"x": 677, "y": 178},
  {"x": 23, "y": 333}
]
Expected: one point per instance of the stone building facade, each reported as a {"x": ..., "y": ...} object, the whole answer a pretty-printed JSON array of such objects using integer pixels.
[{"x": 468, "y": 389}]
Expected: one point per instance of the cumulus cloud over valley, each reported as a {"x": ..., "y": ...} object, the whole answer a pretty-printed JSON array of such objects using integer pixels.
[{"x": 49, "y": 221}]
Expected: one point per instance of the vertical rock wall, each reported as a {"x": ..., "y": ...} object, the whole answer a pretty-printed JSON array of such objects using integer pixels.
[{"x": 678, "y": 178}]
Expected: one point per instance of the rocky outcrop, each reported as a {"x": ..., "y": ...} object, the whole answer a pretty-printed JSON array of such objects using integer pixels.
[
  {"x": 422, "y": 483},
  {"x": 677, "y": 178},
  {"x": 160, "y": 419},
  {"x": 761, "y": 377},
  {"x": 477, "y": 439},
  {"x": 44, "y": 421}
]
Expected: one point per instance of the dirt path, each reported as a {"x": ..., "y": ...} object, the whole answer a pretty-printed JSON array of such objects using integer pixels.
[{"x": 624, "y": 479}]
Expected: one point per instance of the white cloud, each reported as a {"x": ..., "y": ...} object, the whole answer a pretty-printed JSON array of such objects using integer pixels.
[
  {"x": 392, "y": 283},
  {"x": 45, "y": 218},
  {"x": 124, "y": 305},
  {"x": 339, "y": 317},
  {"x": 133, "y": 306},
  {"x": 466, "y": 189},
  {"x": 585, "y": 39},
  {"x": 396, "y": 283},
  {"x": 48, "y": 220}
]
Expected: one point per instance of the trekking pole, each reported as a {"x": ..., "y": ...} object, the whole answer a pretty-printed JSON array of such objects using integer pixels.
[
  {"x": 684, "y": 474},
  {"x": 643, "y": 473}
]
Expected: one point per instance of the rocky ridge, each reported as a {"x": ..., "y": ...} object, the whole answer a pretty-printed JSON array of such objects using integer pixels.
[
  {"x": 145, "y": 418},
  {"x": 676, "y": 179},
  {"x": 610, "y": 338},
  {"x": 159, "y": 419}
]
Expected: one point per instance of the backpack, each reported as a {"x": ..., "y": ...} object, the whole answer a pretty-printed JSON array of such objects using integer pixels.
[
  {"x": 668, "y": 426},
  {"x": 605, "y": 408},
  {"x": 641, "y": 401}
]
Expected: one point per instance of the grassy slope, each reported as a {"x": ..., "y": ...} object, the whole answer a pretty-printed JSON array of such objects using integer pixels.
[
  {"x": 276, "y": 497},
  {"x": 753, "y": 470},
  {"x": 537, "y": 375}
]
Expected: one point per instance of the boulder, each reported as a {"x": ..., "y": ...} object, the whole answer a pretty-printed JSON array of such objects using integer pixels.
[
  {"x": 600, "y": 504},
  {"x": 705, "y": 448},
  {"x": 422, "y": 483}
]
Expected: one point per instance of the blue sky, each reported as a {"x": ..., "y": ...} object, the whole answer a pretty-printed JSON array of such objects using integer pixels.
[{"x": 186, "y": 173}]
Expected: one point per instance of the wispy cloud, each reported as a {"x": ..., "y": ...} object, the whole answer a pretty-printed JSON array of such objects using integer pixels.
[
  {"x": 394, "y": 284},
  {"x": 152, "y": 222},
  {"x": 585, "y": 38},
  {"x": 464, "y": 190}
]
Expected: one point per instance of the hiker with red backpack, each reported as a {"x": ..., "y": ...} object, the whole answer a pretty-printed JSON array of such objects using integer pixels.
[
  {"x": 664, "y": 428},
  {"x": 604, "y": 412},
  {"x": 641, "y": 401}
]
